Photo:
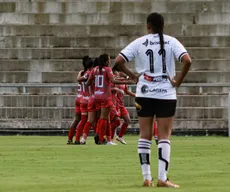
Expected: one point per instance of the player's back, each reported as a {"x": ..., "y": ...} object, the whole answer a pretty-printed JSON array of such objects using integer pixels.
[{"x": 102, "y": 82}]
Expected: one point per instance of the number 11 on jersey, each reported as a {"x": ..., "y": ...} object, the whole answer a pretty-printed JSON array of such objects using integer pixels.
[{"x": 149, "y": 53}]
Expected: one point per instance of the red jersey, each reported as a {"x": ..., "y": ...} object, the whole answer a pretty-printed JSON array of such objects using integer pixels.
[
  {"x": 120, "y": 95},
  {"x": 102, "y": 82},
  {"x": 79, "y": 91},
  {"x": 86, "y": 91},
  {"x": 114, "y": 94}
]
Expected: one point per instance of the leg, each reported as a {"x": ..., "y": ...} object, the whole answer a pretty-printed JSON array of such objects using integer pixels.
[
  {"x": 165, "y": 123},
  {"x": 124, "y": 127},
  {"x": 80, "y": 127},
  {"x": 73, "y": 127},
  {"x": 146, "y": 113},
  {"x": 91, "y": 120},
  {"x": 155, "y": 132},
  {"x": 144, "y": 150},
  {"x": 103, "y": 126}
]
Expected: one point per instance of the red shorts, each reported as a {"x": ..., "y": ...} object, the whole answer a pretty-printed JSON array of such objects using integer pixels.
[
  {"x": 103, "y": 103},
  {"x": 77, "y": 105},
  {"x": 122, "y": 111},
  {"x": 84, "y": 104},
  {"x": 92, "y": 104},
  {"x": 113, "y": 113}
]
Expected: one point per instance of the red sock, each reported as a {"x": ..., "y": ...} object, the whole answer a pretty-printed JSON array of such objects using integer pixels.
[
  {"x": 108, "y": 131},
  {"x": 97, "y": 126},
  {"x": 102, "y": 129},
  {"x": 71, "y": 133},
  {"x": 87, "y": 127},
  {"x": 155, "y": 133},
  {"x": 113, "y": 128},
  {"x": 123, "y": 129},
  {"x": 94, "y": 127},
  {"x": 80, "y": 127}
]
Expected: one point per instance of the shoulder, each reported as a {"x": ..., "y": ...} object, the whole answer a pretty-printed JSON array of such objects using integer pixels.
[
  {"x": 171, "y": 39},
  {"x": 107, "y": 68}
]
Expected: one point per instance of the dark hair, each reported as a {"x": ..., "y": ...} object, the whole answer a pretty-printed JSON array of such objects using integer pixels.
[
  {"x": 89, "y": 63},
  {"x": 156, "y": 22},
  {"x": 96, "y": 62},
  {"x": 84, "y": 59},
  {"x": 115, "y": 68},
  {"x": 102, "y": 61}
]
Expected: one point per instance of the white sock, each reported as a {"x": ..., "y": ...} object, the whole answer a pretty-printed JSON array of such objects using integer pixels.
[
  {"x": 144, "y": 155},
  {"x": 163, "y": 158}
]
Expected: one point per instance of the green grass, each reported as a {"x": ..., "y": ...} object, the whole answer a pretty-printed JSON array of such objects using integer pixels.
[{"x": 47, "y": 164}]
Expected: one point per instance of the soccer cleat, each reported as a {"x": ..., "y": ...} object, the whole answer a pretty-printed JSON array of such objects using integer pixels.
[
  {"x": 101, "y": 143},
  {"x": 69, "y": 142},
  {"x": 96, "y": 139},
  {"x": 77, "y": 143},
  {"x": 148, "y": 183},
  {"x": 111, "y": 143},
  {"x": 167, "y": 183},
  {"x": 121, "y": 140},
  {"x": 83, "y": 141}
]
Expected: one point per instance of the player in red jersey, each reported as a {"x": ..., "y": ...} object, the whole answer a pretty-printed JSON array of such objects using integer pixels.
[
  {"x": 77, "y": 107},
  {"x": 102, "y": 75},
  {"x": 122, "y": 111},
  {"x": 92, "y": 111},
  {"x": 86, "y": 92}
]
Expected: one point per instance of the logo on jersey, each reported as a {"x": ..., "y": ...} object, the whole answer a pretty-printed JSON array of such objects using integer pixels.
[
  {"x": 146, "y": 43},
  {"x": 160, "y": 78},
  {"x": 145, "y": 89}
]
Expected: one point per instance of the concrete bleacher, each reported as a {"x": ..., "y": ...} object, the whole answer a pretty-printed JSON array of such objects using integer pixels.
[{"x": 42, "y": 42}]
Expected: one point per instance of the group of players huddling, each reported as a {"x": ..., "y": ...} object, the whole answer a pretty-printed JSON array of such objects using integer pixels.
[{"x": 100, "y": 102}]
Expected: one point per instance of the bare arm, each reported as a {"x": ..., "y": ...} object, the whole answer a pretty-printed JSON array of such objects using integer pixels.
[
  {"x": 178, "y": 79},
  {"x": 121, "y": 64},
  {"x": 80, "y": 77},
  {"x": 89, "y": 82},
  {"x": 130, "y": 93},
  {"x": 114, "y": 81}
]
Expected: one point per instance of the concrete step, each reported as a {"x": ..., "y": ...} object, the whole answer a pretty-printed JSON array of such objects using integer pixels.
[
  {"x": 208, "y": 65},
  {"x": 38, "y": 77},
  {"x": 183, "y": 124},
  {"x": 126, "y": 6},
  {"x": 102, "y": 42},
  {"x": 54, "y": 53},
  {"x": 71, "y": 88},
  {"x": 112, "y": 30},
  {"x": 71, "y": 77},
  {"x": 110, "y": 18},
  {"x": 78, "y": 53},
  {"x": 58, "y": 113},
  {"x": 76, "y": 65},
  {"x": 69, "y": 101},
  {"x": 207, "y": 77},
  {"x": 41, "y": 65},
  {"x": 12, "y": 90}
]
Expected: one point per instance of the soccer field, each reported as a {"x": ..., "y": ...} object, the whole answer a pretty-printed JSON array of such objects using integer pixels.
[{"x": 47, "y": 164}]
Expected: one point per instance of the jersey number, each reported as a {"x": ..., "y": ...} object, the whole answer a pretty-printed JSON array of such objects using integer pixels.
[
  {"x": 149, "y": 53},
  {"x": 99, "y": 81}
]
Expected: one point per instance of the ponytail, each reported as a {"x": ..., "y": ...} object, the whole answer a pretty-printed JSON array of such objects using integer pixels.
[
  {"x": 102, "y": 61},
  {"x": 162, "y": 51},
  {"x": 84, "y": 59},
  {"x": 156, "y": 22}
]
